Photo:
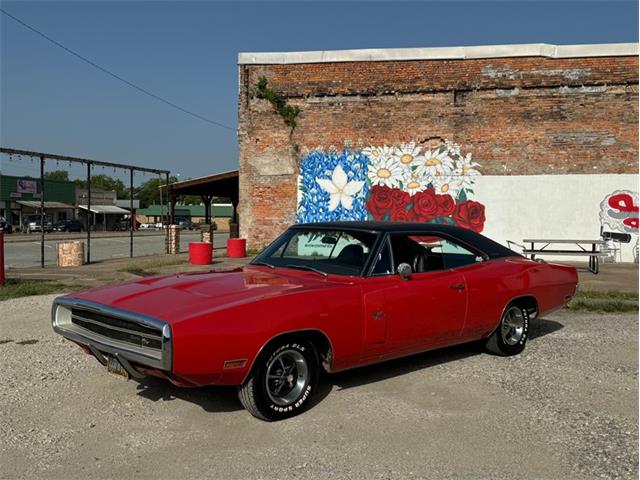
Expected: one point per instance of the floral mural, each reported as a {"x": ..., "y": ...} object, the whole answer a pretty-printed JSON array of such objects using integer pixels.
[
  {"x": 405, "y": 183},
  {"x": 619, "y": 211}
]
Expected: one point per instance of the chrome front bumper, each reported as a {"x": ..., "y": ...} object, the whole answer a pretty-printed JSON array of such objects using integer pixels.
[{"x": 67, "y": 309}]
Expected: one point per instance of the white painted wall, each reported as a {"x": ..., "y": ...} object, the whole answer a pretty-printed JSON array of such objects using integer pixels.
[{"x": 549, "y": 206}]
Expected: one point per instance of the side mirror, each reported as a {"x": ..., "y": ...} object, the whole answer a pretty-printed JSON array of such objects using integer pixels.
[{"x": 404, "y": 271}]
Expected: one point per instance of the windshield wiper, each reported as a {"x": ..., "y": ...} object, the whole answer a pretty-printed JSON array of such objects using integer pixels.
[
  {"x": 307, "y": 267},
  {"x": 259, "y": 262}
]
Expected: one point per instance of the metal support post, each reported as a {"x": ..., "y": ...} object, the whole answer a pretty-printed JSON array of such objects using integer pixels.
[
  {"x": 88, "y": 212},
  {"x": 42, "y": 212},
  {"x": 131, "y": 212}
]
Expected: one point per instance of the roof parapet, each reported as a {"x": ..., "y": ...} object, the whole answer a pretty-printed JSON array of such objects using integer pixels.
[{"x": 441, "y": 53}]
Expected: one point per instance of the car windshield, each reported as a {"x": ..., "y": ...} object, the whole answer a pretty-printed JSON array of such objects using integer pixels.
[{"x": 341, "y": 252}]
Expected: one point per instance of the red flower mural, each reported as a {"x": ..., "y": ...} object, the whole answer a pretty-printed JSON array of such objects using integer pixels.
[
  {"x": 425, "y": 205},
  {"x": 470, "y": 215},
  {"x": 379, "y": 202},
  {"x": 393, "y": 204},
  {"x": 428, "y": 184}
]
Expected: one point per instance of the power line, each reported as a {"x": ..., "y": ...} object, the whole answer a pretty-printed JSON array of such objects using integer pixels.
[{"x": 116, "y": 76}]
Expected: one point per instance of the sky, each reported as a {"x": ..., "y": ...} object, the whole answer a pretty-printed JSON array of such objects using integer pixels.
[{"x": 186, "y": 53}]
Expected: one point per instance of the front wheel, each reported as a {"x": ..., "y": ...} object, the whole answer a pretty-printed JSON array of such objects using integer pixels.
[
  {"x": 511, "y": 335},
  {"x": 282, "y": 381}
]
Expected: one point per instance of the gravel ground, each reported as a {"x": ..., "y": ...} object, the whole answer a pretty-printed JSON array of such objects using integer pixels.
[{"x": 565, "y": 408}]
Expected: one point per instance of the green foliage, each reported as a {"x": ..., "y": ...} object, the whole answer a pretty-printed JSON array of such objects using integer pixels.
[
  {"x": 279, "y": 102},
  {"x": 146, "y": 268},
  {"x": 14, "y": 288},
  {"x": 57, "y": 175},
  {"x": 190, "y": 200},
  {"x": 609, "y": 301},
  {"x": 149, "y": 192},
  {"x": 105, "y": 182}
]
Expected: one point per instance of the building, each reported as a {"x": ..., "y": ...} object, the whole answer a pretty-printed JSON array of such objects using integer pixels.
[
  {"x": 221, "y": 214},
  {"x": 21, "y": 196},
  {"x": 63, "y": 200},
  {"x": 106, "y": 210},
  {"x": 515, "y": 141}
]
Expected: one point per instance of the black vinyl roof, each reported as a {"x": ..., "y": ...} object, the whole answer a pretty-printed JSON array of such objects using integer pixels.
[{"x": 463, "y": 235}]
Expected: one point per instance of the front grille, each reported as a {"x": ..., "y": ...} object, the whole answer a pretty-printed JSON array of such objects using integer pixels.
[{"x": 118, "y": 329}]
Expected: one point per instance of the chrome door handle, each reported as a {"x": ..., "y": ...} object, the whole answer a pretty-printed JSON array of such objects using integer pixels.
[{"x": 457, "y": 286}]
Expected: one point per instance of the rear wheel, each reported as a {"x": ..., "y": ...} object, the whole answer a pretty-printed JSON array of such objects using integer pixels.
[
  {"x": 511, "y": 335},
  {"x": 282, "y": 381}
]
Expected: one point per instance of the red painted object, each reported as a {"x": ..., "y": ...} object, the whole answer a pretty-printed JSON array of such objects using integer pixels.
[
  {"x": 200, "y": 253},
  {"x": 322, "y": 295},
  {"x": 236, "y": 248},
  {"x": 2, "y": 276}
]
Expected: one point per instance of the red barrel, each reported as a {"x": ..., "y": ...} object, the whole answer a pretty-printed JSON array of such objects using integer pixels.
[
  {"x": 236, "y": 248},
  {"x": 200, "y": 253}
]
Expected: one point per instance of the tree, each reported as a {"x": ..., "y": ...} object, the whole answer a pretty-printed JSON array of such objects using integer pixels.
[
  {"x": 149, "y": 192},
  {"x": 57, "y": 175},
  {"x": 105, "y": 182}
]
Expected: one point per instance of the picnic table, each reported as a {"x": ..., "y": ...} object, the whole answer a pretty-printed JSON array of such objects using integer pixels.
[{"x": 586, "y": 248}]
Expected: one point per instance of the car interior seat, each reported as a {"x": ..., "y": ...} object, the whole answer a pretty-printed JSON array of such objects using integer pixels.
[
  {"x": 420, "y": 262},
  {"x": 352, "y": 255}
]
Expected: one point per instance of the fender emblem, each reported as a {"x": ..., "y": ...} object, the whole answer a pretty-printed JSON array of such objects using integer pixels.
[
  {"x": 377, "y": 315},
  {"x": 239, "y": 363}
]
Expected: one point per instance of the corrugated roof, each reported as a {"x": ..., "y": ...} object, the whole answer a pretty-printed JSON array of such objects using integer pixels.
[{"x": 108, "y": 209}]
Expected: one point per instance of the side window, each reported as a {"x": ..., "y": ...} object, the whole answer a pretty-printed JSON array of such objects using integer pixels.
[
  {"x": 429, "y": 253},
  {"x": 383, "y": 265},
  {"x": 456, "y": 256}
]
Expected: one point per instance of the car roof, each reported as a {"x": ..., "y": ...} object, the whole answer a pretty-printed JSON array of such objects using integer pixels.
[{"x": 465, "y": 236}]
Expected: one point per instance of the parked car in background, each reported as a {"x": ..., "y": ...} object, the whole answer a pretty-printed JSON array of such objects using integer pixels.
[
  {"x": 188, "y": 225},
  {"x": 125, "y": 225},
  {"x": 147, "y": 226},
  {"x": 5, "y": 226},
  {"x": 160, "y": 225},
  {"x": 330, "y": 296},
  {"x": 33, "y": 223},
  {"x": 69, "y": 226}
]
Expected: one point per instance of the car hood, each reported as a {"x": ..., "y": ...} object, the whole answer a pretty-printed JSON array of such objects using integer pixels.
[{"x": 177, "y": 297}]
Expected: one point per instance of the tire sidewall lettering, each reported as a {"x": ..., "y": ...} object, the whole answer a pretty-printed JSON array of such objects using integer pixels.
[
  {"x": 525, "y": 316},
  {"x": 301, "y": 401}
]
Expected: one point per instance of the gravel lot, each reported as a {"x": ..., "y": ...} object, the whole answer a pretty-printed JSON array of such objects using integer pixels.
[{"x": 565, "y": 408}]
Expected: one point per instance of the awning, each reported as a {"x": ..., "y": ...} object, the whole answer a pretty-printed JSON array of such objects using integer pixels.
[
  {"x": 223, "y": 184},
  {"x": 108, "y": 209},
  {"x": 36, "y": 204}
]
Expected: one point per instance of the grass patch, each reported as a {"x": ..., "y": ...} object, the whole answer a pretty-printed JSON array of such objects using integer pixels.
[
  {"x": 146, "y": 268},
  {"x": 607, "y": 295},
  {"x": 604, "y": 301},
  {"x": 15, "y": 288}
]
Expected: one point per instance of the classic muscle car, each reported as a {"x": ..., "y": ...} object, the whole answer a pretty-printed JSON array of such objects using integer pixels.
[{"x": 329, "y": 296}]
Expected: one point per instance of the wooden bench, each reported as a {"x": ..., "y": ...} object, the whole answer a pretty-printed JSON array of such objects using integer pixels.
[{"x": 594, "y": 253}]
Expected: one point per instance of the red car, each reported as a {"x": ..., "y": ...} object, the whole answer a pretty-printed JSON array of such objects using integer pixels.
[{"x": 329, "y": 296}]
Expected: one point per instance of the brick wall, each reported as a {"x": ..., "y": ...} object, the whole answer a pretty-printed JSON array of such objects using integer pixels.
[{"x": 517, "y": 116}]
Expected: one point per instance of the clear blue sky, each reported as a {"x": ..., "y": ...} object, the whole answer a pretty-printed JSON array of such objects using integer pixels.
[{"x": 186, "y": 52}]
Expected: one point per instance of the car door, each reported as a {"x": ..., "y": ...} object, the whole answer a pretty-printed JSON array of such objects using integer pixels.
[{"x": 403, "y": 316}]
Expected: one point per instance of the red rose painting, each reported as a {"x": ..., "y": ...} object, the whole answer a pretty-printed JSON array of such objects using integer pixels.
[
  {"x": 470, "y": 215},
  {"x": 446, "y": 205},
  {"x": 380, "y": 201},
  {"x": 425, "y": 205}
]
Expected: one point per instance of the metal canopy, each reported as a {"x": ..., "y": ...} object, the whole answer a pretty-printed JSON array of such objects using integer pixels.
[
  {"x": 108, "y": 209},
  {"x": 38, "y": 204},
  {"x": 223, "y": 184},
  {"x": 89, "y": 163}
]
